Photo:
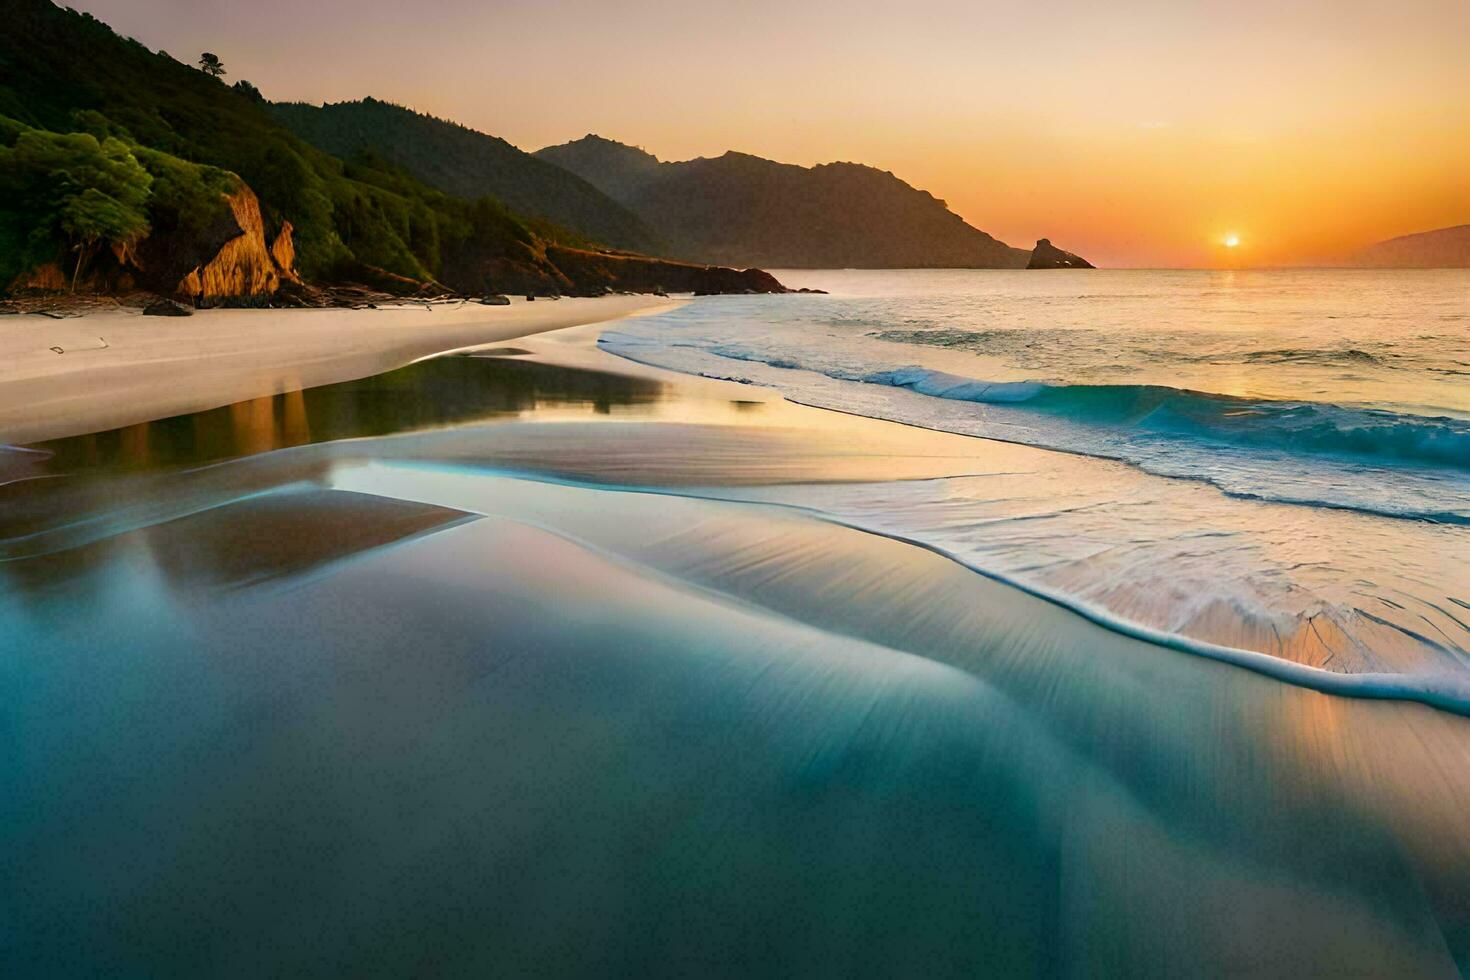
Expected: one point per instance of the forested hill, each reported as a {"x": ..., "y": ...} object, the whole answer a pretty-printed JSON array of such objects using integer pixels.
[
  {"x": 63, "y": 71},
  {"x": 466, "y": 163},
  {"x": 125, "y": 168},
  {"x": 743, "y": 209}
]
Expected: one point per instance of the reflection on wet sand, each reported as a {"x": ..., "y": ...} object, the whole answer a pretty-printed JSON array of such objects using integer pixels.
[
  {"x": 248, "y": 542},
  {"x": 707, "y": 739},
  {"x": 431, "y": 394},
  {"x": 347, "y": 682}
]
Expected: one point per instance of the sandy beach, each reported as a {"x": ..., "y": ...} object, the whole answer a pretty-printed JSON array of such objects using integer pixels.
[
  {"x": 587, "y": 490},
  {"x": 534, "y": 643},
  {"x": 115, "y": 369}
]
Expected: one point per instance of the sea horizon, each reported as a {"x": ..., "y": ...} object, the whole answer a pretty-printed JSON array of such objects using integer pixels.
[{"x": 580, "y": 490}]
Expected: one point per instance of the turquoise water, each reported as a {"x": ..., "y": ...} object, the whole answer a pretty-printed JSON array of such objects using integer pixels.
[
  {"x": 476, "y": 668},
  {"x": 471, "y": 724},
  {"x": 1295, "y": 446},
  {"x": 1346, "y": 389}
]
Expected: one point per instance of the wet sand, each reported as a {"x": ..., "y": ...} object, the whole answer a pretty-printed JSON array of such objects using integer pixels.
[
  {"x": 95, "y": 372},
  {"x": 514, "y": 706}
]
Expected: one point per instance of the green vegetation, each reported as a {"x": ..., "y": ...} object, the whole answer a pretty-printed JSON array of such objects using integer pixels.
[
  {"x": 67, "y": 191},
  {"x": 74, "y": 194},
  {"x": 210, "y": 64},
  {"x": 465, "y": 163},
  {"x": 66, "y": 73},
  {"x": 738, "y": 209}
]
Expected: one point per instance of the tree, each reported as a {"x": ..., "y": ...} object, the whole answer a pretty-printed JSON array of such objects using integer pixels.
[
  {"x": 210, "y": 64},
  {"x": 78, "y": 190},
  {"x": 93, "y": 217}
]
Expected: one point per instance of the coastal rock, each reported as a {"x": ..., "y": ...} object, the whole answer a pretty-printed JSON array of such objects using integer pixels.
[
  {"x": 559, "y": 270},
  {"x": 595, "y": 273},
  {"x": 166, "y": 307},
  {"x": 45, "y": 278},
  {"x": 283, "y": 251},
  {"x": 244, "y": 268},
  {"x": 494, "y": 299},
  {"x": 1047, "y": 256}
]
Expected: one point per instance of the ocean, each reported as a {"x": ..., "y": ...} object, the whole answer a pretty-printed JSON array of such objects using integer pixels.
[
  {"x": 536, "y": 661},
  {"x": 1325, "y": 415}
]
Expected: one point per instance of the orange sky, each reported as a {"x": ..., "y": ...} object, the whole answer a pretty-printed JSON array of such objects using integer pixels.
[{"x": 1138, "y": 133}]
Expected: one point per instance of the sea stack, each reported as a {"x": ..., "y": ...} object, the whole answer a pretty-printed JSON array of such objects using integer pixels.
[{"x": 1047, "y": 256}]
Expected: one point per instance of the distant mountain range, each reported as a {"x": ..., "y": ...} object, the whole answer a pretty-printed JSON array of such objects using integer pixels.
[
  {"x": 746, "y": 210},
  {"x": 467, "y": 164},
  {"x": 1443, "y": 248},
  {"x": 124, "y": 168},
  {"x": 735, "y": 209}
]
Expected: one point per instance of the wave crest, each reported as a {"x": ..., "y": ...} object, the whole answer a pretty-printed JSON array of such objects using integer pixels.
[{"x": 1300, "y": 427}]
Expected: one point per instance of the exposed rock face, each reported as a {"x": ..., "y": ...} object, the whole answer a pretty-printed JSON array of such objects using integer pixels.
[
  {"x": 46, "y": 278},
  {"x": 225, "y": 261},
  {"x": 111, "y": 271},
  {"x": 244, "y": 269},
  {"x": 1048, "y": 256},
  {"x": 283, "y": 250}
]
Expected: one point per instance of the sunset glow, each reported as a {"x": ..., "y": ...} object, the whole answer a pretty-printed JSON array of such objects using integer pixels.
[
  {"x": 817, "y": 487},
  {"x": 1114, "y": 130}
]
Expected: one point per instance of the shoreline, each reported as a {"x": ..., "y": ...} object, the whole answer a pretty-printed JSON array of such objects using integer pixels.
[
  {"x": 567, "y": 602},
  {"x": 937, "y": 454},
  {"x": 120, "y": 368},
  {"x": 574, "y": 346},
  {"x": 579, "y": 348}
]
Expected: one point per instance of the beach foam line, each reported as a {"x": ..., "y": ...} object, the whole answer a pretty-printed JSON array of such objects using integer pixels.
[
  {"x": 1299, "y": 427},
  {"x": 1156, "y": 428},
  {"x": 1440, "y": 693}
]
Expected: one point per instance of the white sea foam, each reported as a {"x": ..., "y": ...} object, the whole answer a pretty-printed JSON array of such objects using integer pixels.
[{"x": 1302, "y": 397}]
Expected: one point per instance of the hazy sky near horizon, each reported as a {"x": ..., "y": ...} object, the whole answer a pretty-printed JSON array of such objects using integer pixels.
[{"x": 1135, "y": 133}]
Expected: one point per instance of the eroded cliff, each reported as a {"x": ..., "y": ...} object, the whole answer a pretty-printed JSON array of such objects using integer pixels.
[{"x": 245, "y": 269}]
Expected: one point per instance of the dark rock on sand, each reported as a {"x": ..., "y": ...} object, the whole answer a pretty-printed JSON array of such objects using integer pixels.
[
  {"x": 494, "y": 299},
  {"x": 166, "y": 307},
  {"x": 1048, "y": 256}
]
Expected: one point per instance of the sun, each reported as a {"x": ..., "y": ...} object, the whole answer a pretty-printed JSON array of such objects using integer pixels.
[{"x": 1231, "y": 241}]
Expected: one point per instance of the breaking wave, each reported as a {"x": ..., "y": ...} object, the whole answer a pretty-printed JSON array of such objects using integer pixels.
[{"x": 1310, "y": 428}]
